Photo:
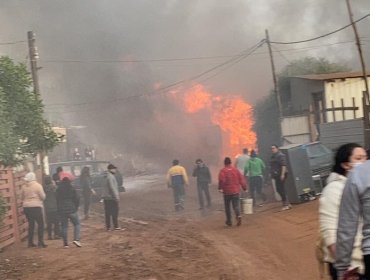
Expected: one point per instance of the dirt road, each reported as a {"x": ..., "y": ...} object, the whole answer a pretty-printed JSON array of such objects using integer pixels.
[{"x": 159, "y": 243}]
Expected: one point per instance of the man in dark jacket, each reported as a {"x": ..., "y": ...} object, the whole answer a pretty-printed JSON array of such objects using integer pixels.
[
  {"x": 230, "y": 180},
  {"x": 68, "y": 202},
  {"x": 51, "y": 209},
  {"x": 279, "y": 172},
  {"x": 201, "y": 171}
]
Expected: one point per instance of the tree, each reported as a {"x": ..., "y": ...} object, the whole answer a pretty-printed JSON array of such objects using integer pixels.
[
  {"x": 266, "y": 111},
  {"x": 23, "y": 129}
]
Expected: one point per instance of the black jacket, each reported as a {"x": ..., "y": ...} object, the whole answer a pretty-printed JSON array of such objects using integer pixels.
[
  {"x": 50, "y": 202},
  {"x": 203, "y": 175},
  {"x": 67, "y": 198}
]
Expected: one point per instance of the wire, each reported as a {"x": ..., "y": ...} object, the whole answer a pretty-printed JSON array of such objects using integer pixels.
[
  {"x": 227, "y": 64},
  {"x": 12, "y": 43},
  {"x": 319, "y": 37}
]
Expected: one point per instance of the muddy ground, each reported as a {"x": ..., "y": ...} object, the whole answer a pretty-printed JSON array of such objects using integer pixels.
[{"x": 159, "y": 243}]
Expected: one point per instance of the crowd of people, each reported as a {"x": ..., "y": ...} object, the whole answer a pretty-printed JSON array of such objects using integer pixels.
[
  {"x": 59, "y": 201},
  {"x": 344, "y": 216},
  {"x": 233, "y": 181}
]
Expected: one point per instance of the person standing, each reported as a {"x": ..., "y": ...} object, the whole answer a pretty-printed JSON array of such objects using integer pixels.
[
  {"x": 354, "y": 207},
  {"x": 177, "y": 178},
  {"x": 241, "y": 161},
  {"x": 255, "y": 167},
  {"x": 87, "y": 190},
  {"x": 110, "y": 195},
  {"x": 230, "y": 180},
  {"x": 32, "y": 196},
  {"x": 51, "y": 209},
  {"x": 346, "y": 157},
  {"x": 56, "y": 177},
  {"x": 279, "y": 172},
  {"x": 203, "y": 175},
  {"x": 68, "y": 202}
]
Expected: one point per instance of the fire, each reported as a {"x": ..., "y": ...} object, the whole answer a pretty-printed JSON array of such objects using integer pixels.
[
  {"x": 197, "y": 99},
  {"x": 232, "y": 114}
]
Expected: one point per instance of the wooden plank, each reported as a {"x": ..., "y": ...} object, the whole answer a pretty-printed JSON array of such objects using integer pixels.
[
  {"x": 7, "y": 243},
  {"x": 332, "y": 106},
  {"x": 7, "y": 233}
]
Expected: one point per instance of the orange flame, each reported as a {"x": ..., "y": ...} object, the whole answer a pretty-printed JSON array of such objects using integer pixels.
[
  {"x": 231, "y": 113},
  {"x": 197, "y": 99}
]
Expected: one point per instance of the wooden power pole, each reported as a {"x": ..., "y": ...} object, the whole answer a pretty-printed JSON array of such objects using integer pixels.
[
  {"x": 358, "y": 43},
  {"x": 276, "y": 87},
  {"x": 36, "y": 87},
  {"x": 33, "y": 61}
]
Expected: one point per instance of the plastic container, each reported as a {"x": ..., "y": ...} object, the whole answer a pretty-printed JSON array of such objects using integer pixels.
[{"x": 247, "y": 205}]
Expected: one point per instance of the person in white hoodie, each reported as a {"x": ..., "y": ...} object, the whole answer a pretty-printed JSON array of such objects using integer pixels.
[
  {"x": 32, "y": 197},
  {"x": 347, "y": 156}
]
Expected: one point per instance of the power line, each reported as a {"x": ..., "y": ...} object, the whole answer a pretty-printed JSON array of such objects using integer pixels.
[
  {"x": 321, "y": 36},
  {"x": 225, "y": 65},
  {"x": 185, "y": 58},
  {"x": 12, "y": 43}
]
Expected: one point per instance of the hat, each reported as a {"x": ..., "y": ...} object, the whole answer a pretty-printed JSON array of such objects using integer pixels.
[
  {"x": 30, "y": 176},
  {"x": 111, "y": 166}
]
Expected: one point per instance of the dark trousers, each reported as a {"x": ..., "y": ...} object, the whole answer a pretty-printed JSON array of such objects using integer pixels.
[
  {"x": 203, "y": 189},
  {"x": 87, "y": 202},
  {"x": 280, "y": 188},
  {"x": 53, "y": 223},
  {"x": 111, "y": 209},
  {"x": 333, "y": 271},
  {"x": 367, "y": 266},
  {"x": 179, "y": 196},
  {"x": 34, "y": 215},
  {"x": 73, "y": 217},
  {"x": 234, "y": 200},
  {"x": 255, "y": 183}
]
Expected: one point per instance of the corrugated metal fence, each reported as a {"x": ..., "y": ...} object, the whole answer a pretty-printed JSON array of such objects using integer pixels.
[
  {"x": 13, "y": 228},
  {"x": 335, "y": 134}
]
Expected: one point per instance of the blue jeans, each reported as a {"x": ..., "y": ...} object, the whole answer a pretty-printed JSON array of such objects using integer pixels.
[{"x": 76, "y": 225}]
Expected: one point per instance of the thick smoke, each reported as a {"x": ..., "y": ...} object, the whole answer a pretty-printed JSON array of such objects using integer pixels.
[{"x": 73, "y": 35}]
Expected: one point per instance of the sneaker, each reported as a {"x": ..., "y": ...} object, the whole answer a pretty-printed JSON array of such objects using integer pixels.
[
  {"x": 228, "y": 224},
  {"x": 77, "y": 243},
  {"x": 119, "y": 228},
  {"x": 260, "y": 205},
  {"x": 65, "y": 247},
  {"x": 239, "y": 221},
  {"x": 32, "y": 245},
  {"x": 286, "y": 207}
]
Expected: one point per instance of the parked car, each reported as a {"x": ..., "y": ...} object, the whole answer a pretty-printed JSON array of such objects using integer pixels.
[{"x": 97, "y": 169}]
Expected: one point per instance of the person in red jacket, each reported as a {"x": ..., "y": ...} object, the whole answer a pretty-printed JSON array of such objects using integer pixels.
[{"x": 229, "y": 182}]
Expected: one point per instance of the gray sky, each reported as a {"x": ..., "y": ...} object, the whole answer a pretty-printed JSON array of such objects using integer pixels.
[{"x": 86, "y": 30}]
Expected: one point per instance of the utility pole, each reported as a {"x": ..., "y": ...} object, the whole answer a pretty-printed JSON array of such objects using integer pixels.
[
  {"x": 36, "y": 87},
  {"x": 33, "y": 61},
  {"x": 276, "y": 88},
  {"x": 358, "y": 43}
]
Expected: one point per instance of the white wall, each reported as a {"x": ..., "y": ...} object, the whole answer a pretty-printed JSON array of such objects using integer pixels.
[
  {"x": 346, "y": 89},
  {"x": 295, "y": 129}
]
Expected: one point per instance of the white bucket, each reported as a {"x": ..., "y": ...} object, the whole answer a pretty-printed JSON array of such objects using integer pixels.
[{"x": 247, "y": 205}]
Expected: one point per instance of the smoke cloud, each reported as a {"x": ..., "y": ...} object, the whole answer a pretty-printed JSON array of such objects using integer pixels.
[{"x": 84, "y": 82}]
